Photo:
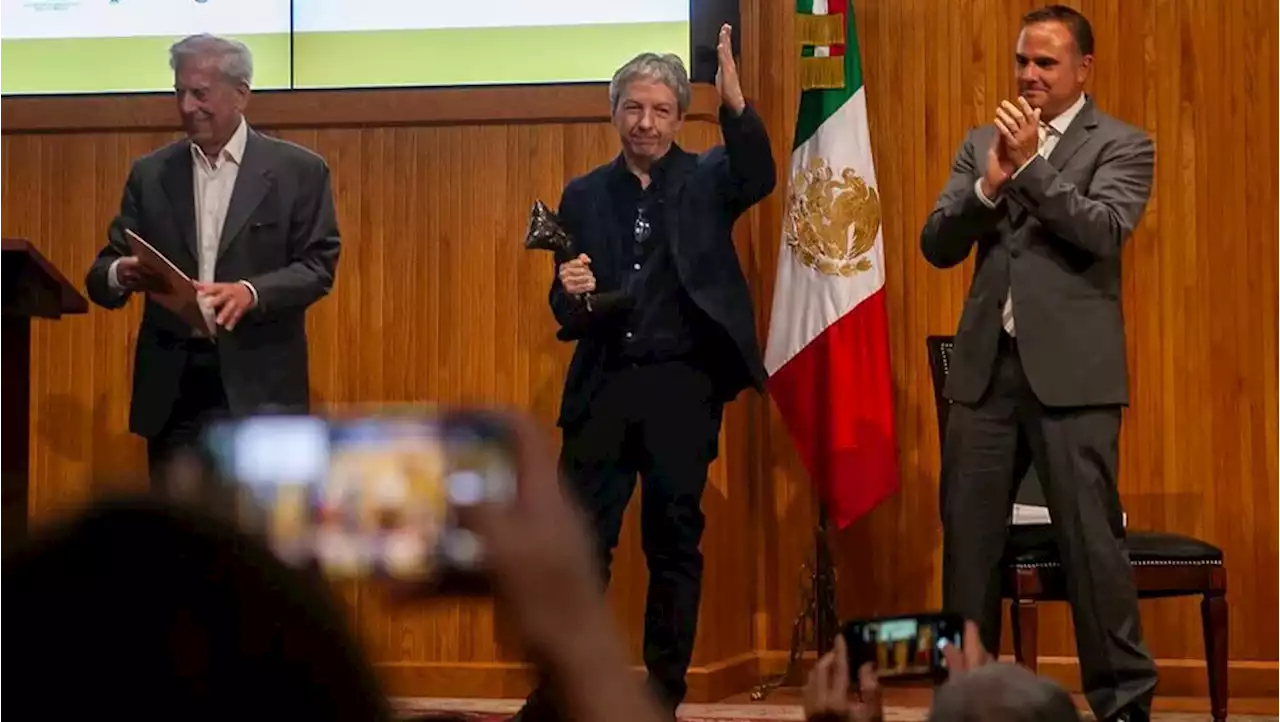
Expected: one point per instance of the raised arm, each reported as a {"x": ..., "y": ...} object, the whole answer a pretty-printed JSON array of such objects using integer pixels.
[
  {"x": 960, "y": 216},
  {"x": 749, "y": 173}
]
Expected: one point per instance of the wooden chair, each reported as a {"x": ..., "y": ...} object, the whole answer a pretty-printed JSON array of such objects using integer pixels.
[{"x": 1164, "y": 565}]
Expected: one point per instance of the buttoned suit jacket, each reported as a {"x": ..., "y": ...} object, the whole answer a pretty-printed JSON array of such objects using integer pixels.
[{"x": 1055, "y": 239}]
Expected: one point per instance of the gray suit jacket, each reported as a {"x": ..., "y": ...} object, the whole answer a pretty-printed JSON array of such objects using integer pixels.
[
  {"x": 1055, "y": 237},
  {"x": 280, "y": 234}
]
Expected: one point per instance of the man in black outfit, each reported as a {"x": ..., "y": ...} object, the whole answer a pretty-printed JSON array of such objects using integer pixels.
[{"x": 647, "y": 385}]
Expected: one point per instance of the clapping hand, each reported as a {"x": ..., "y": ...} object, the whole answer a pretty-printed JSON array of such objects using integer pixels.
[
  {"x": 1019, "y": 127},
  {"x": 999, "y": 168},
  {"x": 1016, "y": 141}
]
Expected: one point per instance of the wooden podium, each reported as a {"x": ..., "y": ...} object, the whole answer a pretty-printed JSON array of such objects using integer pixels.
[{"x": 31, "y": 288}]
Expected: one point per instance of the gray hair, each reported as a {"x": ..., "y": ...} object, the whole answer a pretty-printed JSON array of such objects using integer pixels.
[
  {"x": 235, "y": 61},
  {"x": 1002, "y": 693},
  {"x": 667, "y": 69}
]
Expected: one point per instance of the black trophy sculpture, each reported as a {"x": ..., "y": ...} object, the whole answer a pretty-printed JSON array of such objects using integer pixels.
[{"x": 547, "y": 233}]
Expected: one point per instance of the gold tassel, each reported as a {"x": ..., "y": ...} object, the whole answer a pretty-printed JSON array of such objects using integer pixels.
[
  {"x": 819, "y": 29},
  {"x": 821, "y": 73}
]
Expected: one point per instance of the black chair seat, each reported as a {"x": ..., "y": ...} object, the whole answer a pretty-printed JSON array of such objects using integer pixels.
[{"x": 1033, "y": 546}]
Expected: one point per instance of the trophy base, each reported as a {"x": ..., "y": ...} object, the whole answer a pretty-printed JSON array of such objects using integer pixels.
[{"x": 588, "y": 313}]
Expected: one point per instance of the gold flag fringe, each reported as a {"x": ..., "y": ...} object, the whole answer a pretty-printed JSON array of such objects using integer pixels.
[
  {"x": 821, "y": 73},
  {"x": 819, "y": 29}
]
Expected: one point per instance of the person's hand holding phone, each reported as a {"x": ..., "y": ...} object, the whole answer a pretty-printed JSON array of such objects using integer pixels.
[
  {"x": 971, "y": 653},
  {"x": 537, "y": 552},
  {"x": 826, "y": 696}
]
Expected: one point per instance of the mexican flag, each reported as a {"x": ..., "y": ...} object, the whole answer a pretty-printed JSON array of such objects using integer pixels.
[{"x": 828, "y": 347}]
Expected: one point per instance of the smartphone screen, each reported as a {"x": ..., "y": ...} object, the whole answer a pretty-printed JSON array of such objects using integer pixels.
[
  {"x": 366, "y": 496},
  {"x": 907, "y": 646}
]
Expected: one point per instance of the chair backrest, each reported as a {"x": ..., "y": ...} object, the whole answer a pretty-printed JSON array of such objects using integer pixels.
[{"x": 939, "y": 364}]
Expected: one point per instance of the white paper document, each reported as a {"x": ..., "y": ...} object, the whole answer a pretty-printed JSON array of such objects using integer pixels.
[{"x": 1031, "y": 515}]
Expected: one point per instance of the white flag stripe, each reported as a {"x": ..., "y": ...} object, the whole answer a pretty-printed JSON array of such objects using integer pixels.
[{"x": 805, "y": 301}]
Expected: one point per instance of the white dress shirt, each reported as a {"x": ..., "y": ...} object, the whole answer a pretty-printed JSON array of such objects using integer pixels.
[
  {"x": 1050, "y": 134},
  {"x": 213, "y": 182}
]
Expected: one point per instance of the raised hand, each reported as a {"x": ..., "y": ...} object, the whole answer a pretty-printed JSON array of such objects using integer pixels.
[{"x": 727, "y": 82}]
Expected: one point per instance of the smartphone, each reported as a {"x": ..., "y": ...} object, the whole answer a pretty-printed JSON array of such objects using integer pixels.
[
  {"x": 368, "y": 495},
  {"x": 903, "y": 647}
]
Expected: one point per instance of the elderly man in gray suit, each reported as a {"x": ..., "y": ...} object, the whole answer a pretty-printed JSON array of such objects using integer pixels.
[
  {"x": 250, "y": 219},
  {"x": 1047, "y": 195}
]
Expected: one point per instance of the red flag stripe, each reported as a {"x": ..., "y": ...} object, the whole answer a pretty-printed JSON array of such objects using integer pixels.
[
  {"x": 836, "y": 397},
  {"x": 838, "y": 7}
]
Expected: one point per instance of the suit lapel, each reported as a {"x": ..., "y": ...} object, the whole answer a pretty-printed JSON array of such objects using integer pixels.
[
  {"x": 1077, "y": 133},
  {"x": 180, "y": 188},
  {"x": 252, "y": 183},
  {"x": 1071, "y": 141}
]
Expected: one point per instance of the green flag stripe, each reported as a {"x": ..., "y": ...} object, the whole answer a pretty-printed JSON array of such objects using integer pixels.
[
  {"x": 819, "y": 104},
  {"x": 804, "y": 6}
]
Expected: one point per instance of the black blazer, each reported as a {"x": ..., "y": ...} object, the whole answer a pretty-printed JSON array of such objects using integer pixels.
[
  {"x": 704, "y": 195},
  {"x": 280, "y": 234}
]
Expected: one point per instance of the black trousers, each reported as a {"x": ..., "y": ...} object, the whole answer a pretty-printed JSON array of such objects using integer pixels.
[
  {"x": 988, "y": 445},
  {"x": 201, "y": 399},
  {"x": 659, "y": 422}
]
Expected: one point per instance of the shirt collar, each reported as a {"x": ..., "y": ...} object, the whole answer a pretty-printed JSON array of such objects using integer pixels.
[
  {"x": 1064, "y": 119},
  {"x": 656, "y": 170},
  {"x": 233, "y": 150}
]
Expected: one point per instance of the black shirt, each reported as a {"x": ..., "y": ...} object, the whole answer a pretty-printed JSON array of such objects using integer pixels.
[{"x": 665, "y": 323}]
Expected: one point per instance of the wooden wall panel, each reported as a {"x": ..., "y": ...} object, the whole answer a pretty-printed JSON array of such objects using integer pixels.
[{"x": 436, "y": 301}]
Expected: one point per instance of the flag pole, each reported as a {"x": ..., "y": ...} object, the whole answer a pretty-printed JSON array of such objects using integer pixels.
[{"x": 816, "y": 625}]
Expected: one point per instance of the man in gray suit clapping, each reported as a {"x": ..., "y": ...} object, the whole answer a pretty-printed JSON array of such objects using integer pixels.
[{"x": 1047, "y": 194}]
